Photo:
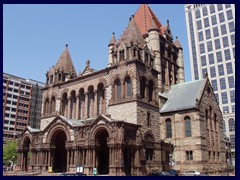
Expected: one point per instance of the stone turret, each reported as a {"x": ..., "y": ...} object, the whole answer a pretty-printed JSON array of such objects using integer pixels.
[
  {"x": 111, "y": 49},
  {"x": 180, "y": 62},
  {"x": 154, "y": 44}
]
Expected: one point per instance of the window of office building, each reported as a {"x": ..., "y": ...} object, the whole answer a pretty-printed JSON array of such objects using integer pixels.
[
  {"x": 232, "y": 139},
  {"x": 221, "y": 17},
  {"x": 231, "y": 82},
  {"x": 233, "y": 108},
  {"x": 217, "y": 44},
  {"x": 219, "y": 56},
  {"x": 233, "y": 39},
  {"x": 214, "y": 20},
  {"x": 232, "y": 96},
  {"x": 206, "y": 22},
  {"x": 213, "y": 72},
  {"x": 224, "y": 126},
  {"x": 227, "y": 54},
  {"x": 231, "y": 124},
  {"x": 208, "y": 34},
  {"x": 203, "y": 60},
  {"x": 225, "y": 109},
  {"x": 229, "y": 15},
  {"x": 211, "y": 58},
  {"x": 204, "y": 71},
  {"x": 224, "y": 98},
  {"x": 223, "y": 29},
  {"x": 212, "y": 9},
  {"x": 219, "y": 7},
  {"x": 233, "y": 50},
  {"x": 231, "y": 26},
  {"x": 200, "y": 36},
  {"x": 217, "y": 98},
  {"x": 199, "y": 24},
  {"x": 229, "y": 68},
  {"x": 202, "y": 48},
  {"x": 215, "y": 31},
  {"x": 222, "y": 83},
  {"x": 227, "y": 6},
  {"x": 220, "y": 70},
  {"x": 214, "y": 85},
  {"x": 198, "y": 14},
  {"x": 225, "y": 41},
  {"x": 205, "y": 13},
  {"x": 209, "y": 46}
]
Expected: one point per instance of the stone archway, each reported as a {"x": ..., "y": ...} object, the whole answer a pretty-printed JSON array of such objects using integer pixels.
[
  {"x": 102, "y": 152},
  {"x": 59, "y": 154}
]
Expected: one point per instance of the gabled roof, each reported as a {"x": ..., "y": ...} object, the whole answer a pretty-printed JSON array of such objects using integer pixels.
[
  {"x": 65, "y": 62},
  {"x": 113, "y": 40},
  {"x": 88, "y": 69},
  {"x": 183, "y": 96},
  {"x": 131, "y": 34},
  {"x": 177, "y": 43},
  {"x": 144, "y": 17}
]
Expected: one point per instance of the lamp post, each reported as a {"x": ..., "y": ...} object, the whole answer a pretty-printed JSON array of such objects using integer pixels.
[{"x": 227, "y": 160}]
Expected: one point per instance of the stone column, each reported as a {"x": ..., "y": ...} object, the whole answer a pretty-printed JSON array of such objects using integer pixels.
[
  {"x": 95, "y": 103},
  {"x": 68, "y": 159},
  {"x": 77, "y": 107},
  {"x": 69, "y": 107},
  {"x": 86, "y": 105}
]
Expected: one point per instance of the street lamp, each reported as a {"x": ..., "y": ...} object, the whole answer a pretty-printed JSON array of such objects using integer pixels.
[{"x": 227, "y": 160}]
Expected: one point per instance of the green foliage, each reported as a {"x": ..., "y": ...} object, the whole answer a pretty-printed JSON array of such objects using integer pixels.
[{"x": 10, "y": 152}]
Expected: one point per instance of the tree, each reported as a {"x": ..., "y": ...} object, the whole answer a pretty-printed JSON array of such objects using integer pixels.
[{"x": 10, "y": 152}]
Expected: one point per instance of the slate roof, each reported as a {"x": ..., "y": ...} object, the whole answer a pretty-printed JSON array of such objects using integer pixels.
[
  {"x": 33, "y": 129},
  {"x": 183, "y": 96},
  {"x": 65, "y": 62}
]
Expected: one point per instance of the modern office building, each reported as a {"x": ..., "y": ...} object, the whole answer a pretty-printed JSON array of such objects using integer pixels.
[
  {"x": 211, "y": 38},
  {"x": 22, "y": 100}
]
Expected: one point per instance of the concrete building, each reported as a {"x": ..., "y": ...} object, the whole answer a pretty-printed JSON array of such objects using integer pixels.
[
  {"x": 130, "y": 118},
  {"x": 211, "y": 39},
  {"x": 22, "y": 100}
]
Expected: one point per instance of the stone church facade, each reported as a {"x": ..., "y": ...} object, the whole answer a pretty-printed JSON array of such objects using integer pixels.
[{"x": 132, "y": 117}]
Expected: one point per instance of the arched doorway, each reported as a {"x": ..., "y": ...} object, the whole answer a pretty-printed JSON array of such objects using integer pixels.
[
  {"x": 102, "y": 152},
  {"x": 60, "y": 154},
  {"x": 127, "y": 160}
]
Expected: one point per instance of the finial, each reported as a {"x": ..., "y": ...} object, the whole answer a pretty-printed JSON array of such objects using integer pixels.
[
  {"x": 66, "y": 45},
  {"x": 113, "y": 33},
  {"x": 206, "y": 74},
  {"x": 130, "y": 18},
  {"x": 168, "y": 22},
  {"x": 133, "y": 16},
  {"x": 176, "y": 37},
  {"x": 88, "y": 63}
]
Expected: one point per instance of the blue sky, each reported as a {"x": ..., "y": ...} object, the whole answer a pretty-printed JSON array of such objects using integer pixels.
[{"x": 34, "y": 36}]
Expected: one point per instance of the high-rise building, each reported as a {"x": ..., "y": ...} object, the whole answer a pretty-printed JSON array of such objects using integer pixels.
[
  {"x": 21, "y": 105},
  {"x": 211, "y": 38}
]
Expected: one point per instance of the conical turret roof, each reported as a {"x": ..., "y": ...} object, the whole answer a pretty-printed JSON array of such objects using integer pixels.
[
  {"x": 65, "y": 62},
  {"x": 113, "y": 40},
  {"x": 177, "y": 43},
  {"x": 132, "y": 34},
  {"x": 144, "y": 17}
]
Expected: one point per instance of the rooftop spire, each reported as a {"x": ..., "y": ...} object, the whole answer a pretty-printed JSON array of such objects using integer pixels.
[
  {"x": 113, "y": 40},
  {"x": 177, "y": 43}
]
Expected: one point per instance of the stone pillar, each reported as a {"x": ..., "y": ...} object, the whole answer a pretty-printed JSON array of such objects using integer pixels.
[
  {"x": 86, "y": 105},
  {"x": 68, "y": 159},
  {"x": 95, "y": 97},
  {"x": 77, "y": 107},
  {"x": 69, "y": 107}
]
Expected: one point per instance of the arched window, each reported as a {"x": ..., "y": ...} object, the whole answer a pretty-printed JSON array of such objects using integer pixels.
[
  {"x": 143, "y": 87},
  {"x": 72, "y": 105},
  {"x": 224, "y": 126},
  {"x": 64, "y": 104},
  {"x": 198, "y": 15},
  {"x": 215, "y": 121},
  {"x": 150, "y": 91},
  {"x": 231, "y": 124},
  {"x": 118, "y": 89},
  {"x": 128, "y": 86},
  {"x": 100, "y": 98},
  {"x": 90, "y": 102},
  {"x": 206, "y": 117},
  {"x": 46, "y": 109},
  {"x": 53, "y": 102},
  {"x": 81, "y": 103},
  {"x": 210, "y": 117},
  {"x": 169, "y": 128},
  {"x": 187, "y": 122}
]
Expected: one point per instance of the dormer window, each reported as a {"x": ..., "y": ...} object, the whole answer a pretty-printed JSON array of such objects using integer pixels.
[{"x": 121, "y": 55}]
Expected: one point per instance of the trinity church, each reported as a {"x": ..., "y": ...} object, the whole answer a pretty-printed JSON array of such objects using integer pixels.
[{"x": 132, "y": 117}]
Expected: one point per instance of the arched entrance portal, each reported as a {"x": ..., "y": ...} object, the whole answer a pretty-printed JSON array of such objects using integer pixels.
[
  {"x": 127, "y": 161},
  {"x": 102, "y": 152},
  {"x": 60, "y": 153}
]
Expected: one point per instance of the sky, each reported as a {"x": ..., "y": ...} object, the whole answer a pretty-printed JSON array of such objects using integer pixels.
[{"x": 35, "y": 35}]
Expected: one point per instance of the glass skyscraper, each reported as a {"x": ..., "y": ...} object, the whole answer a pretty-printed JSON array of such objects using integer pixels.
[{"x": 211, "y": 39}]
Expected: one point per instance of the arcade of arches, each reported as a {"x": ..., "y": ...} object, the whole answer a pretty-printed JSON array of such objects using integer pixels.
[{"x": 113, "y": 147}]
